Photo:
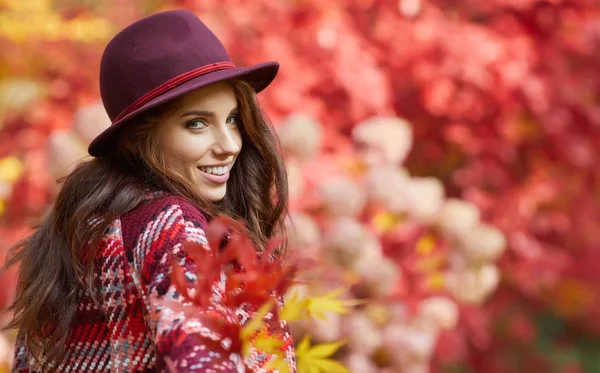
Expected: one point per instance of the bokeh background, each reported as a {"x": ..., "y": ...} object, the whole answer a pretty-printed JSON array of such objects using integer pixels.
[{"x": 442, "y": 159}]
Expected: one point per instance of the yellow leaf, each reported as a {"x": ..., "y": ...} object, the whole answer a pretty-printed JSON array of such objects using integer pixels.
[
  {"x": 267, "y": 344},
  {"x": 304, "y": 345},
  {"x": 314, "y": 359},
  {"x": 294, "y": 308},
  {"x": 279, "y": 364},
  {"x": 247, "y": 348},
  {"x": 335, "y": 293},
  {"x": 324, "y": 350},
  {"x": 256, "y": 323},
  {"x": 306, "y": 368},
  {"x": 318, "y": 306}
]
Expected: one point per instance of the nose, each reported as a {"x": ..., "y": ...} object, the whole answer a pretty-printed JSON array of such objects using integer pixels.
[{"x": 228, "y": 141}]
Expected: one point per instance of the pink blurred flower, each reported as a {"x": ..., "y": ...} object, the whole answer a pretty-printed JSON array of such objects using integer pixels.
[
  {"x": 439, "y": 311},
  {"x": 387, "y": 187},
  {"x": 383, "y": 140},
  {"x": 415, "y": 367},
  {"x": 379, "y": 277},
  {"x": 347, "y": 242},
  {"x": 426, "y": 196},
  {"x": 483, "y": 243},
  {"x": 303, "y": 234},
  {"x": 407, "y": 345},
  {"x": 295, "y": 181},
  {"x": 362, "y": 334},
  {"x": 342, "y": 197},
  {"x": 300, "y": 136},
  {"x": 359, "y": 362},
  {"x": 458, "y": 216},
  {"x": 328, "y": 330},
  {"x": 409, "y": 8},
  {"x": 473, "y": 285}
]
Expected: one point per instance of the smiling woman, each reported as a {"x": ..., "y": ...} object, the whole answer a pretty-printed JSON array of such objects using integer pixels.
[{"x": 188, "y": 142}]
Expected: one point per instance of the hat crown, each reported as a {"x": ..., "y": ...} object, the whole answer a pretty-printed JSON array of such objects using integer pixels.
[{"x": 152, "y": 51}]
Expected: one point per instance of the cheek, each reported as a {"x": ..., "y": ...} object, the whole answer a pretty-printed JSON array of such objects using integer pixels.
[{"x": 182, "y": 151}]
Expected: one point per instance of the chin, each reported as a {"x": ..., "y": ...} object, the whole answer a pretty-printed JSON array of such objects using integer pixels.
[{"x": 214, "y": 194}]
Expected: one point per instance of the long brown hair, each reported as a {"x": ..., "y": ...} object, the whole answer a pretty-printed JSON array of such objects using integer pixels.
[{"x": 53, "y": 268}]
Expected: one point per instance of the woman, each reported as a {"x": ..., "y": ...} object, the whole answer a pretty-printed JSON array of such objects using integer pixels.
[{"x": 187, "y": 142}]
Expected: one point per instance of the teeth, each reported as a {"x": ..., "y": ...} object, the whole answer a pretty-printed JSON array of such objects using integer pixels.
[{"x": 215, "y": 170}]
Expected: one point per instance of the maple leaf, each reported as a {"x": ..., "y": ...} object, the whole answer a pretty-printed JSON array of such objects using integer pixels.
[
  {"x": 294, "y": 308},
  {"x": 207, "y": 273},
  {"x": 279, "y": 365},
  {"x": 317, "y": 306},
  {"x": 267, "y": 343},
  {"x": 255, "y": 334},
  {"x": 316, "y": 359}
]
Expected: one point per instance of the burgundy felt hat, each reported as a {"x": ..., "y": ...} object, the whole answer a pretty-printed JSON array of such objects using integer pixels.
[{"x": 159, "y": 58}]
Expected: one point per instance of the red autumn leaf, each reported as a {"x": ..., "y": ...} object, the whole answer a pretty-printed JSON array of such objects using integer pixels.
[{"x": 215, "y": 231}]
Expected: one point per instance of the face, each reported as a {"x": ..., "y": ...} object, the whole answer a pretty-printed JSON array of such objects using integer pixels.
[{"x": 200, "y": 138}]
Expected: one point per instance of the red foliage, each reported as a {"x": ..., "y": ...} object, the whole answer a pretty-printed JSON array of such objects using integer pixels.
[{"x": 252, "y": 279}]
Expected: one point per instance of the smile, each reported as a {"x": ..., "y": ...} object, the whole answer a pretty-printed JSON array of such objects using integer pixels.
[
  {"x": 218, "y": 170},
  {"x": 216, "y": 174}
]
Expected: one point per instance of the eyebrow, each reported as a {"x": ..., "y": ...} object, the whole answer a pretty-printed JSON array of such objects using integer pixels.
[{"x": 205, "y": 113}]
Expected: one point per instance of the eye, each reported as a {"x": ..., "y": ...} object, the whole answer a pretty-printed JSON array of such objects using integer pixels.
[
  {"x": 234, "y": 120},
  {"x": 196, "y": 124}
]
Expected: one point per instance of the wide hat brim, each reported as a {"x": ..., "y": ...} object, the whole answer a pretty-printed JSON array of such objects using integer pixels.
[{"x": 258, "y": 76}]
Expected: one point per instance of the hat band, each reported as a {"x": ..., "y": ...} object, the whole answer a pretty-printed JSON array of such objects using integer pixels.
[{"x": 172, "y": 83}]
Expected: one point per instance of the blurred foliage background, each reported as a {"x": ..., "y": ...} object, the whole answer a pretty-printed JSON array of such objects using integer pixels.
[{"x": 441, "y": 158}]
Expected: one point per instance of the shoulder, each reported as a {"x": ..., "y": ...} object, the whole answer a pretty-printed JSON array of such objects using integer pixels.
[
  {"x": 164, "y": 204},
  {"x": 160, "y": 214}
]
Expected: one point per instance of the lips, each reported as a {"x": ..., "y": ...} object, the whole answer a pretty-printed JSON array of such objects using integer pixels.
[{"x": 215, "y": 174}]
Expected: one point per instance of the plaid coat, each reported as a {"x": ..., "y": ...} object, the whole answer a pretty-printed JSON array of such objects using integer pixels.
[{"x": 129, "y": 331}]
